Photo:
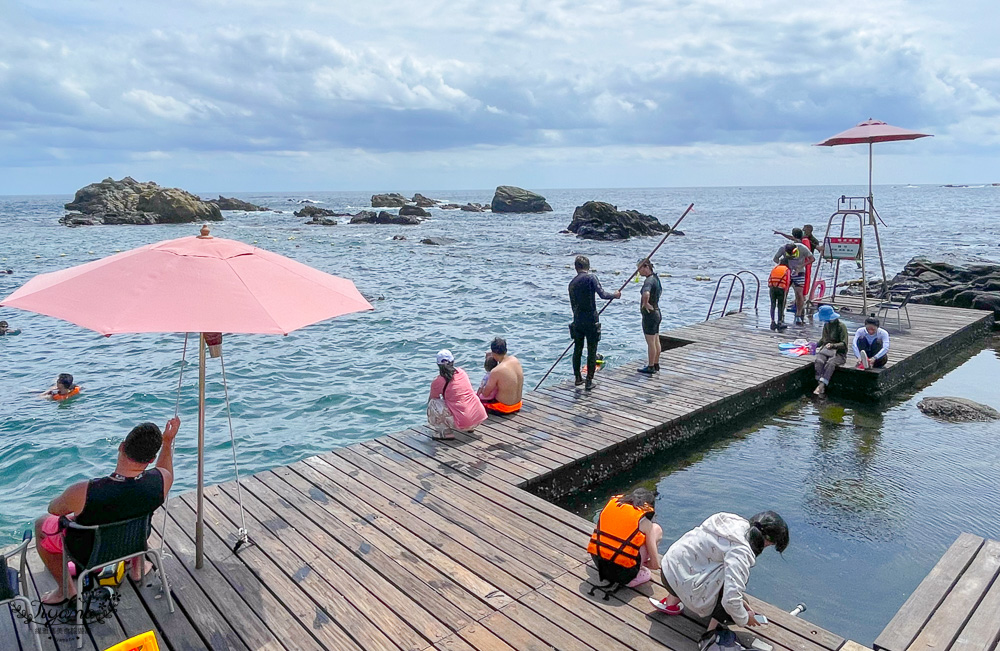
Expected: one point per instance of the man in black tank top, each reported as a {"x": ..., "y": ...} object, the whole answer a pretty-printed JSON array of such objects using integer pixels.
[{"x": 130, "y": 491}]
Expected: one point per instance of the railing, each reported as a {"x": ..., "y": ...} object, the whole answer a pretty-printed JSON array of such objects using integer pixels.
[{"x": 736, "y": 277}]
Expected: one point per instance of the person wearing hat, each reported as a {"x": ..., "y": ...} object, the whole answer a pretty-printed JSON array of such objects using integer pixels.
[
  {"x": 453, "y": 403},
  {"x": 650, "y": 309},
  {"x": 831, "y": 349},
  {"x": 798, "y": 258}
]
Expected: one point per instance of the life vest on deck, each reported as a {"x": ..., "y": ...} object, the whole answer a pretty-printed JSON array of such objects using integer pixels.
[
  {"x": 780, "y": 277},
  {"x": 616, "y": 538},
  {"x": 62, "y": 396}
]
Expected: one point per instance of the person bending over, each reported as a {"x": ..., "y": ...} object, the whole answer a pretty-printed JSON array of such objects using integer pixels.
[
  {"x": 831, "y": 349},
  {"x": 797, "y": 258},
  {"x": 625, "y": 539},
  {"x": 649, "y": 307},
  {"x": 503, "y": 390},
  {"x": 777, "y": 286},
  {"x": 131, "y": 491},
  {"x": 586, "y": 326},
  {"x": 871, "y": 345},
  {"x": 63, "y": 389},
  {"x": 707, "y": 569}
]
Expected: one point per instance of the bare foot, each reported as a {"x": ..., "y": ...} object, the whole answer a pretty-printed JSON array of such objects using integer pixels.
[
  {"x": 55, "y": 597},
  {"x": 134, "y": 570}
]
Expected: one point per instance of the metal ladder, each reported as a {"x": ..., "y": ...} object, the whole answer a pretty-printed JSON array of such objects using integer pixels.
[{"x": 736, "y": 277}]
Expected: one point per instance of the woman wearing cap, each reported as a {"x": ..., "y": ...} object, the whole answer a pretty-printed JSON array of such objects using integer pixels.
[
  {"x": 707, "y": 569},
  {"x": 831, "y": 349},
  {"x": 459, "y": 407}
]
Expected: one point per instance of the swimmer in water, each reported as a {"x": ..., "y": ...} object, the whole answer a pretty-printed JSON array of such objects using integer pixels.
[
  {"x": 5, "y": 329},
  {"x": 63, "y": 389}
]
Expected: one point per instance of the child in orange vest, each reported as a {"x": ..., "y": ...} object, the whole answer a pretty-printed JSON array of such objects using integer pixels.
[{"x": 778, "y": 283}]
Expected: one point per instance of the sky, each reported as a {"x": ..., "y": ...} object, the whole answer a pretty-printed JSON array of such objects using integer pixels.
[{"x": 385, "y": 95}]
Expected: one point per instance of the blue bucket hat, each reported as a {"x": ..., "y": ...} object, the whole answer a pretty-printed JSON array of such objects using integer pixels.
[{"x": 826, "y": 313}]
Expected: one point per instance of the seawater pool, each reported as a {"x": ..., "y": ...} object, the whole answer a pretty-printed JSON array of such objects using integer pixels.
[{"x": 873, "y": 495}]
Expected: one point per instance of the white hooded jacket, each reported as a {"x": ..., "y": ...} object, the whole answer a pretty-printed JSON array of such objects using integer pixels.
[{"x": 712, "y": 558}]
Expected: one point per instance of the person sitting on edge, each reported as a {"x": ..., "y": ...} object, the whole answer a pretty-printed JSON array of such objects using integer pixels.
[
  {"x": 63, "y": 388},
  {"x": 831, "y": 349},
  {"x": 129, "y": 492},
  {"x": 586, "y": 326},
  {"x": 649, "y": 307},
  {"x": 707, "y": 569},
  {"x": 502, "y": 393},
  {"x": 871, "y": 345},
  {"x": 777, "y": 286},
  {"x": 489, "y": 364},
  {"x": 625, "y": 539},
  {"x": 797, "y": 258},
  {"x": 5, "y": 329},
  {"x": 461, "y": 409}
]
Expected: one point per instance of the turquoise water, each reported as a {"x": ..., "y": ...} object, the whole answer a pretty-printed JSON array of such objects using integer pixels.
[
  {"x": 873, "y": 497},
  {"x": 364, "y": 375}
]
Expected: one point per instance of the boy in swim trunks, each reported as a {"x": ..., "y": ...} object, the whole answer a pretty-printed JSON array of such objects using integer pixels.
[
  {"x": 129, "y": 492},
  {"x": 502, "y": 393}
]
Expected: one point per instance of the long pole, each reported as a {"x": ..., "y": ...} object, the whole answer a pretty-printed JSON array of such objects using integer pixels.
[
  {"x": 199, "y": 531},
  {"x": 624, "y": 285}
]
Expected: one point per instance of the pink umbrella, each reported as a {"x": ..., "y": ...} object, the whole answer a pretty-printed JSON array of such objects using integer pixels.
[
  {"x": 191, "y": 284},
  {"x": 871, "y": 131}
]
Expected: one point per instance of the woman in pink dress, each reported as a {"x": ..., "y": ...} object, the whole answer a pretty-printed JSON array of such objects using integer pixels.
[{"x": 462, "y": 409}]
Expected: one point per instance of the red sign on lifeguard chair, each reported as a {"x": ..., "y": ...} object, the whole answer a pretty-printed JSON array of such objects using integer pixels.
[{"x": 842, "y": 248}]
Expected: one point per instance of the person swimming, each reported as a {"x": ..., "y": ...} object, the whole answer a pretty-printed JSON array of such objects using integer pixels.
[
  {"x": 63, "y": 389},
  {"x": 5, "y": 329}
]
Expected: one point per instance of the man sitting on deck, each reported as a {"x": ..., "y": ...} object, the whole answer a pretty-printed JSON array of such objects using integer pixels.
[
  {"x": 502, "y": 393},
  {"x": 129, "y": 492},
  {"x": 871, "y": 345}
]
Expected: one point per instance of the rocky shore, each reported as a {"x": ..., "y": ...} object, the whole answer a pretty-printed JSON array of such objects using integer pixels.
[
  {"x": 509, "y": 198},
  {"x": 975, "y": 285},
  {"x": 597, "y": 220},
  {"x": 231, "y": 203},
  {"x": 132, "y": 202}
]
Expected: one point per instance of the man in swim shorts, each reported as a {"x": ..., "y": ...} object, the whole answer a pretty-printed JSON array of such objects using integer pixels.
[
  {"x": 502, "y": 393},
  {"x": 797, "y": 258},
  {"x": 650, "y": 310},
  {"x": 128, "y": 492}
]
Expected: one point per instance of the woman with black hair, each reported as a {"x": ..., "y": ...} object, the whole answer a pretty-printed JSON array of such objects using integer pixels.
[
  {"x": 453, "y": 403},
  {"x": 707, "y": 569}
]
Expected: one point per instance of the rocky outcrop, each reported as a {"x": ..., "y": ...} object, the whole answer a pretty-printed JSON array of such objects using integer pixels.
[
  {"x": 509, "y": 198},
  {"x": 314, "y": 212},
  {"x": 597, "y": 220},
  {"x": 957, "y": 410},
  {"x": 476, "y": 207},
  {"x": 415, "y": 211},
  {"x": 318, "y": 220},
  {"x": 437, "y": 241},
  {"x": 130, "y": 202},
  {"x": 423, "y": 201},
  {"x": 231, "y": 203},
  {"x": 390, "y": 200},
  {"x": 449, "y": 206},
  {"x": 384, "y": 217},
  {"x": 975, "y": 285}
]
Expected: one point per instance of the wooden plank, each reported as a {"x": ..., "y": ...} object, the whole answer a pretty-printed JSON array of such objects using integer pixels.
[
  {"x": 547, "y": 630},
  {"x": 982, "y": 631},
  {"x": 946, "y": 623},
  {"x": 135, "y": 620},
  {"x": 580, "y": 628},
  {"x": 514, "y": 634},
  {"x": 911, "y": 618}
]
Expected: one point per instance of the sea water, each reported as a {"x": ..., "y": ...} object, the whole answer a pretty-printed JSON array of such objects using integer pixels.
[{"x": 363, "y": 375}]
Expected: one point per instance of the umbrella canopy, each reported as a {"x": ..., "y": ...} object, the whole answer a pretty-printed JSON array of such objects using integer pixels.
[
  {"x": 871, "y": 131},
  {"x": 191, "y": 284}
]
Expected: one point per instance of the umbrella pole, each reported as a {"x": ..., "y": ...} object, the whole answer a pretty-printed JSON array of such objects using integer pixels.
[{"x": 199, "y": 531}]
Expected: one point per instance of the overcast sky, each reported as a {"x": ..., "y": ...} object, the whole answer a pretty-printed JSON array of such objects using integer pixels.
[{"x": 256, "y": 95}]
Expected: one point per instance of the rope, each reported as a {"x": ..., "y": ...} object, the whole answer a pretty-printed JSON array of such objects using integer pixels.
[
  {"x": 243, "y": 536},
  {"x": 177, "y": 406}
]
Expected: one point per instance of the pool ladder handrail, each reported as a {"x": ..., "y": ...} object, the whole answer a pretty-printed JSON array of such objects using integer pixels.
[{"x": 732, "y": 284}]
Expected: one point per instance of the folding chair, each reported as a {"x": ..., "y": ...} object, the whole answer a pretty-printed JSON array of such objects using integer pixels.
[
  {"x": 14, "y": 584},
  {"x": 113, "y": 543},
  {"x": 882, "y": 309}
]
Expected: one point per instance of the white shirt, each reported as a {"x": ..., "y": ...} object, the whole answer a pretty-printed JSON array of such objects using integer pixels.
[{"x": 880, "y": 334}]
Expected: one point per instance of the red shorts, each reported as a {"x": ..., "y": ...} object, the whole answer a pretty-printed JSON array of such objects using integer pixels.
[{"x": 51, "y": 540}]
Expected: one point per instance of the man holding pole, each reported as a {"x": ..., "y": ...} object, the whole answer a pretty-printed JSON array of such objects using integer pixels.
[{"x": 586, "y": 327}]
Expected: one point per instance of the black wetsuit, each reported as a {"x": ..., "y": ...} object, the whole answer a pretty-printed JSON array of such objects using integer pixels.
[
  {"x": 651, "y": 320},
  {"x": 586, "y": 326}
]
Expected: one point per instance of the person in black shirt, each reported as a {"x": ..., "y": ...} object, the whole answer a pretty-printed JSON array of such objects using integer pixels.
[
  {"x": 650, "y": 309},
  {"x": 585, "y": 327}
]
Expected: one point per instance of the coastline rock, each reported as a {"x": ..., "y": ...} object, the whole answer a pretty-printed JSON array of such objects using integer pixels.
[
  {"x": 318, "y": 220},
  {"x": 974, "y": 285},
  {"x": 509, "y": 198},
  {"x": 130, "y": 202},
  {"x": 314, "y": 212},
  {"x": 597, "y": 220},
  {"x": 415, "y": 211},
  {"x": 232, "y": 203},
  {"x": 398, "y": 238},
  {"x": 423, "y": 201},
  {"x": 449, "y": 206},
  {"x": 957, "y": 410},
  {"x": 475, "y": 207},
  {"x": 390, "y": 200},
  {"x": 437, "y": 241},
  {"x": 384, "y": 217}
]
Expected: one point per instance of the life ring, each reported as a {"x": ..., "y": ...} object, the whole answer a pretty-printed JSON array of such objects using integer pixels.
[{"x": 821, "y": 284}]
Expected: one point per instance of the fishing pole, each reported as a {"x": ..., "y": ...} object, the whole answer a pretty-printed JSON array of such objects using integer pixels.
[{"x": 624, "y": 285}]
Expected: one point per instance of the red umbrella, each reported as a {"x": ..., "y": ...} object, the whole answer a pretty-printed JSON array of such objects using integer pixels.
[
  {"x": 191, "y": 284},
  {"x": 871, "y": 131}
]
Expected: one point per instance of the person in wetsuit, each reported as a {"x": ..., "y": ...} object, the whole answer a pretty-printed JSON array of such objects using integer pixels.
[
  {"x": 130, "y": 491},
  {"x": 650, "y": 310},
  {"x": 586, "y": 328}
]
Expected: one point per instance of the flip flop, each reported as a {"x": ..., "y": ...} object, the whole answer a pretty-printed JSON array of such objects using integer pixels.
[{"x": 665, "y": 609}]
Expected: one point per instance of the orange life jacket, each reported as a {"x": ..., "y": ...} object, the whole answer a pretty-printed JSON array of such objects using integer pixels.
[
  {"x": 616, "y": 537},
  {"x": 62, "y": 396},
  {"x": 780, "y": 277}
]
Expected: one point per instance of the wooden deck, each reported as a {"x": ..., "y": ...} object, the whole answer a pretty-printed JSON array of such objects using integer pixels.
[
  {"x": 957, "y": 606},
  {"x": 403, "y": 543}
]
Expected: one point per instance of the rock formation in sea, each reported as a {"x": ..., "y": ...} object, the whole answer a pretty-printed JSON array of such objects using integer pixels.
[
  {"x": 597, "y": 220},
  {"x": 415, "y": 211},
  {"x": 130, "y": 202},
  {"x": 476, "y": 207},
  {"x": 232, "y": 203},
  {"x": 384, "y": 217},
  {"x": 509, "y": 198},
  {"x": 971, "y": 285},
  {"x": 957, "y": 410},
  {"x": 319, "y": 220},
  {"x": 423, "y": 201},
  {"x": 390, "y": 200},
  {"x": 314, "y": 212},
  {"x": 437, "y": 241}
]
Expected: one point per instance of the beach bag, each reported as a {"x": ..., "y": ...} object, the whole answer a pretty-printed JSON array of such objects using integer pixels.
[{"x": 439, "y": 417}]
